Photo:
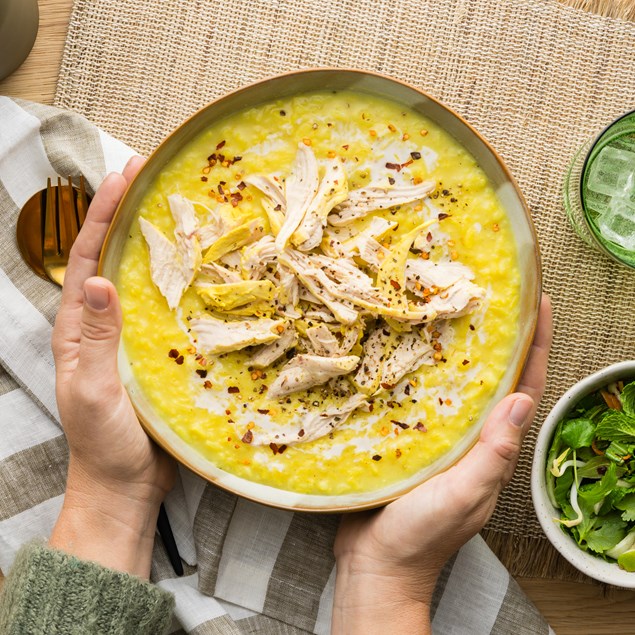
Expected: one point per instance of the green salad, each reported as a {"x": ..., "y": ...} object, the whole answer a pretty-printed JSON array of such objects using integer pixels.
[{"x": 591, "y": 473}]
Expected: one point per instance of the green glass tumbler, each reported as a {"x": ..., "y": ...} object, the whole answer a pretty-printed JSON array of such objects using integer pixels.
[{"x": 599, "y": 191}]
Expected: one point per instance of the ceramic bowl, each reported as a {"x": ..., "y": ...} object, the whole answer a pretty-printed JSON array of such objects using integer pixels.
[
  {"x": 591, "y": 565},
  {"x": 380, "y": 86}
]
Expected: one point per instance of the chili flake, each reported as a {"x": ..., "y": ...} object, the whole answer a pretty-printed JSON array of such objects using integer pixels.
[
  {"x": 248, "y": 437},
  {"x": 220, "y": 145},
  {"x": 420, "y": 427},
  {"x": 376, "y": 457},
  {"x": 173, "y": 353},
  {"x": 233, "y": 389},
  {"x": 201, "y": 373}
]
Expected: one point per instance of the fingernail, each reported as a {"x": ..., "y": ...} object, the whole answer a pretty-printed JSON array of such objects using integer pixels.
[
  {"x": 520, "y": 411},
  {"x": 96, "y": 296}
]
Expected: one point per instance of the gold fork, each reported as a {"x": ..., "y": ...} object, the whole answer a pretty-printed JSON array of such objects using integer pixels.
[{"x": 64, "y": 215}]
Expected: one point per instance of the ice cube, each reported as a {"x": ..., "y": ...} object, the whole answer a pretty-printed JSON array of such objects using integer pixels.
[
  {"x": 612, "y": 172},
  {"x": 596, "y": 203},
  {"x": 617, "y": 223}
]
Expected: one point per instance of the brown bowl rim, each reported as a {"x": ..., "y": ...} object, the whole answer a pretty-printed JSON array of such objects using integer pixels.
[{"x": 335, "y": 509}]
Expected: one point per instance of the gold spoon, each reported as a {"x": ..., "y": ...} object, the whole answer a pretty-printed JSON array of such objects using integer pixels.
[{"x": 48, "y": 225}]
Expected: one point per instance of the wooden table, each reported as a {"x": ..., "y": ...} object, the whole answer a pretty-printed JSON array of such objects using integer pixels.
[{"x": 571, "y": 608}]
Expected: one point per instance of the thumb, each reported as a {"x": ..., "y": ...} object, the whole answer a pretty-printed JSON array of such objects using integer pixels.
[
  {"x": 491, "y": 463},
  {"x": 100, "y": 330}
]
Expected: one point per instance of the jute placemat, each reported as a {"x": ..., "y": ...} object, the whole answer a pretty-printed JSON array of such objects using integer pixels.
[{"x": 535, "y": 77}]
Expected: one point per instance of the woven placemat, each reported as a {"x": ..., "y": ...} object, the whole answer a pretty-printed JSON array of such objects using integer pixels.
[{"x": 537, "y": 78}]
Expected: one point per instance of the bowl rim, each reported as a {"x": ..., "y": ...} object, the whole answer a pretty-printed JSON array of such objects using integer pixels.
[
  {"x": 585, "y": 562},
  {"x": 525, "y": 347}
]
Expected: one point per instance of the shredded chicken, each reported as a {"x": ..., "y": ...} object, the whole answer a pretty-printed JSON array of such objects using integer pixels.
[
  {"x": 373, "y": 197},
  {"x": 300, "y": 189},
  {"x": 210, "y": 232},
  {"x": 351, "y": 310},
  {"x": 318, "y": 283},
  {"x": 269, "y": 353},
  {"x": 324, "y": 342},
  {"x": 333, "y": 189},
  {"x": 255, "y": 257},
  {"x": 173, "y": 266},
  {"x": 213, "y": 272},
  {"x": 377, "y": 228},
  {"x": 316, "y": 425},
  {"x": 388, "y": 356},
  {"x": 270, "y": 188},
  {"x": 216, "y": 336},
  {"x": 411, "y": 352},
  {"x": 306, "y": 371}
]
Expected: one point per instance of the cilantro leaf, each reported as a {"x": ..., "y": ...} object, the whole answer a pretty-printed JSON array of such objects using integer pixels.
[
  {"x": 578, "y": 433},
  {"x": 596, "y": 492},
  {"x": 627, "y": 505},
  {"x": 606, "y": 532},
  {"x": 589, "y": 520},
  {"x": 616, "y": 426},
  {"x": 628, "y": 399}
]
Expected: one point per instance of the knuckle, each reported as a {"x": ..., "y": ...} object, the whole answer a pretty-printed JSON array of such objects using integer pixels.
[
  {"x": 507, "y": 449},
  {"x": 98, "y": 331}
]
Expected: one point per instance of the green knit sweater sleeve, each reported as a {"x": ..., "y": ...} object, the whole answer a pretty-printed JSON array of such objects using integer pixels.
[{"x": 48, "y": 591}]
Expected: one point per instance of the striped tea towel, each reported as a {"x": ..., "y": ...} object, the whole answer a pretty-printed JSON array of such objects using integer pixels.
[{"x": 248, "y": 568}]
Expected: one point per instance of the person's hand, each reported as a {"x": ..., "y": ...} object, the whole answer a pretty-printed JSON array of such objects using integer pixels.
[
  {"x": 117, "y": 477},
  {"x": 388, "y": 560}
]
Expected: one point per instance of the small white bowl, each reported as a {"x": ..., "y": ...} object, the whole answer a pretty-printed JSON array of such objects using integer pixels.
[{"x": 587, "y": 563}]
